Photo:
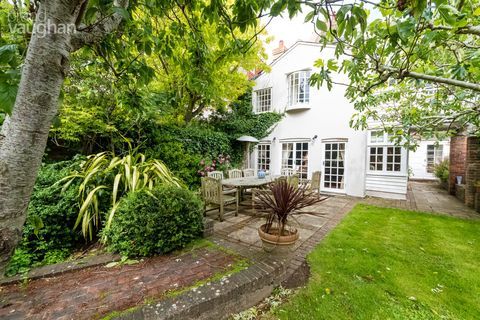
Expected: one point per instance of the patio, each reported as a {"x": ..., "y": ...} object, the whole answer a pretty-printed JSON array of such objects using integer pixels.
[
  {"x": 243, "y": 229},
  {"x": 422, "y": 196}
]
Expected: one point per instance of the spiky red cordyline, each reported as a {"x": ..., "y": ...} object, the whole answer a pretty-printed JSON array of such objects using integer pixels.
[{"x": 282, "y": 199}]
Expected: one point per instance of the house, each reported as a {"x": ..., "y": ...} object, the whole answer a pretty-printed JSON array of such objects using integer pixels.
[
  {"x": 315, "y": 135},
  {"x": 428, "y": 154}
]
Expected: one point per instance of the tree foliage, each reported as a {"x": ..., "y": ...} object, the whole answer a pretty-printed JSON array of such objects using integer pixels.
[
  {"x": 12, "y": 49},
  {"x": 412, "y": 65}
]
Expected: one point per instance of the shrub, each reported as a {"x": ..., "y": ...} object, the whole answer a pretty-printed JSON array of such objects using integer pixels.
[
  {"x": 441, "y": 170},
  {"x": 51, "y": 216},
  {"x": 156, "y": 222},
  {"x": 106, "y": 178},
  {"x": 183, "y": 164},
  {"x": 195, "y": 139}
]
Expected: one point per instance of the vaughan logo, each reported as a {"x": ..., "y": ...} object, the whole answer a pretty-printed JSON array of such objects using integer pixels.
[{"x": 41, "y": 28}]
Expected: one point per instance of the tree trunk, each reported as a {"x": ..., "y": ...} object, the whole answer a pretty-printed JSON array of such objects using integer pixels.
[{"x": 24, "y": 134}]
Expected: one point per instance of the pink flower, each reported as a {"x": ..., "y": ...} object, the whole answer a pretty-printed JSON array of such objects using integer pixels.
[{"x": 202, "y": 163}]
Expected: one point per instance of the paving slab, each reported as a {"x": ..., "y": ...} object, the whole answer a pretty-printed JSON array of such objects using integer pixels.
[{"x": 428, "y": 197}]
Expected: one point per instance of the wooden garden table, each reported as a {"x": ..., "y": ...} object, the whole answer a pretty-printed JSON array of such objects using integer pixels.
[{"x": 247, "y": 182}]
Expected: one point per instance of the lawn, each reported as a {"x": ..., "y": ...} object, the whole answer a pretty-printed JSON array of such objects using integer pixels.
[{"x": 392, "y": 264}]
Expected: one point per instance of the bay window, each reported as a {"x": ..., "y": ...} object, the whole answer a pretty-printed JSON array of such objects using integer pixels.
[{"x": 298, "y": 87}]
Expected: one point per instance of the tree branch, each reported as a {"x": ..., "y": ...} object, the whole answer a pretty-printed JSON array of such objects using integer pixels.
[
  {"x": 426, "y": 77},
  {"x": 98, "y": 31},
  {"x": 474, "y": 30}
]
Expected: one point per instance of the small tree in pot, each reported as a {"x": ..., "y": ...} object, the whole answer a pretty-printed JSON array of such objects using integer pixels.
[{"x": 281, "y": 200}]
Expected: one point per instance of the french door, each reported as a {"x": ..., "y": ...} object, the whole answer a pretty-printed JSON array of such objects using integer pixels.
[{"x": 334, "y": 167}]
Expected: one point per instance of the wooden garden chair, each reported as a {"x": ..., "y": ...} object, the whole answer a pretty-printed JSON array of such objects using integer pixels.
[
  {"x": 294, "y": 180},
  {"x": 248, "y": 172},
  {"x": 288, "y": 172},
  {"x": 315, "y": 182},
  {"x": 216, "y": 174},
  {"x": 214, "y": 195},
  {"x": 234, "y": 173}
]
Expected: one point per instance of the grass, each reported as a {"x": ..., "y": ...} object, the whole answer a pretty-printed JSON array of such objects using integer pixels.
[{"x": 392, "y": 264}]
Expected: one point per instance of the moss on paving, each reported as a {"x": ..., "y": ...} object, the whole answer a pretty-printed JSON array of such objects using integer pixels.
[
  {"x": 239, "y": 265},
  {"x": 384, "y": 263}
]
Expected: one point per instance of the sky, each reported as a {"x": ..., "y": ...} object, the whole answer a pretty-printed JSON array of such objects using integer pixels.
[{"x": 290, "y": 31}]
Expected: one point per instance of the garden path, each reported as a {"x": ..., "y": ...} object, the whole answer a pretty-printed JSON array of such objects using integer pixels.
[
  {"x": 427, "y": 197},
  {"x": 92, "y": 293}
]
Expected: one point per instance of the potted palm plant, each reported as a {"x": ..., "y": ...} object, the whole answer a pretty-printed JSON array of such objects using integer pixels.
[{"x": 281, "y": 200}]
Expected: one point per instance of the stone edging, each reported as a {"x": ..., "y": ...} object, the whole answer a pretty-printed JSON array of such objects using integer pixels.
[{"x": 217, "y": 300}]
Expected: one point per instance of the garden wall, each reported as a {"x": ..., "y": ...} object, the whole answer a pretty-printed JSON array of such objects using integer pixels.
[
  {"x": 458, "y": 160},
  {"x": 465, "y": 162}
]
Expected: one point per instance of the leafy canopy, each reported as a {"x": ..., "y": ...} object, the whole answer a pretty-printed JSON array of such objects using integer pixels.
[{"x": 412, "y": 65}]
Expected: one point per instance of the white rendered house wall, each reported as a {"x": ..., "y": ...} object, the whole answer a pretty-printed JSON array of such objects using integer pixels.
[
  {"x": 425, "y": 157},
  {"x": 321, "y": 123}
]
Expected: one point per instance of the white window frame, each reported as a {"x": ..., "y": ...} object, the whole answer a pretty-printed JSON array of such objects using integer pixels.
[
  {"x": 298, "y": 81},
  {"x": 263, "y": 100},
  {"x": 437, "y": 156},
  {"x": 377, "y": 136},
  {"x": 333, "y": 172},
  {"x": 383, "y": 156},
  {"x": 301, "y": 168},
  {"x": 264, "y": 156}
]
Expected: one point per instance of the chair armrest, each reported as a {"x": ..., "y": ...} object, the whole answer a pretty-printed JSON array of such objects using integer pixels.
[{"x": 230, "y": 191}]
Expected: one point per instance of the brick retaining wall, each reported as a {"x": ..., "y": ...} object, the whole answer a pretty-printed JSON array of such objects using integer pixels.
[
  {"x": 458, "y": 160},
  {"x": 465, "y": 162},
  {"x": 472, "y": 175}
]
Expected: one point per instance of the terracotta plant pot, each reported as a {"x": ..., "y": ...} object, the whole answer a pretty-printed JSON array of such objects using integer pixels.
[{"x": 272, "y": 238}]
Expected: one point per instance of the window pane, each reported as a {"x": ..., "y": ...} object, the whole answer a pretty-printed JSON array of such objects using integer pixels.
[
  {"x": 376, "y": 136},
  {"x": 263, "y": 100},
  {"x": 298, "y": 87},
  {"x": 263, "y": 157}
]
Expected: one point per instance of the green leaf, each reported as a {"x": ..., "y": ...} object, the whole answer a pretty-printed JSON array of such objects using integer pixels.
[
  {"x": 309, "y": 16},
  {"x": 8, "y": 94},
  {"x": 37, "y": 223},
  {"x": 122, "y": 11},
  {"x": 8, "y": 53},
  {"x": 332, "y": 64},
  {"x": 321, "y": 25},
  {"x": 319, "y": 63},
  {"x": 449, "y": 13},
  {"x": 405, "y": 29},
  {"x": 278, "y": 7}
]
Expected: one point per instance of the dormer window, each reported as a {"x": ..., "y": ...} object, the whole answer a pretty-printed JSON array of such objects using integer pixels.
[
  {"x": 263, "y": 100},
  {"x": 298, "y": 87}
]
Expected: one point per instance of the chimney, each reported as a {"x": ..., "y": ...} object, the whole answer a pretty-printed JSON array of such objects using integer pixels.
[{"x": 277, "y": 52}]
